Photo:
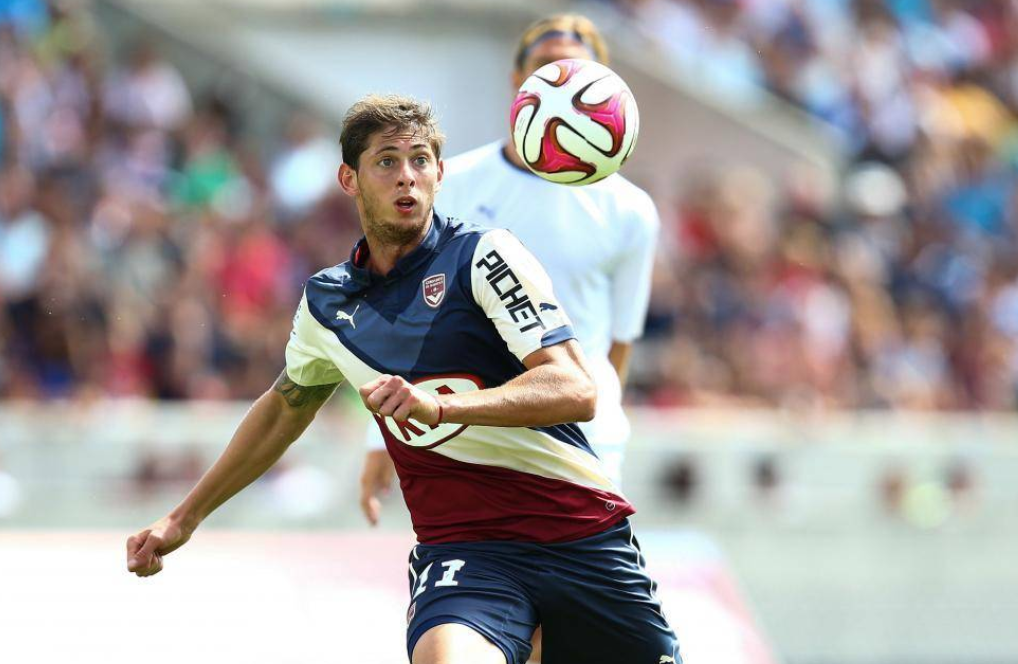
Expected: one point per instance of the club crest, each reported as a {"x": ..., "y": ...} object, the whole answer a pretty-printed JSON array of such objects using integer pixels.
[{"x": 434, "y": 290}]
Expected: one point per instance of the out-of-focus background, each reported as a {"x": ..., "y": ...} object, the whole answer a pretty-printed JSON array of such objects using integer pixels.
[{"x": 825, "y": 441}]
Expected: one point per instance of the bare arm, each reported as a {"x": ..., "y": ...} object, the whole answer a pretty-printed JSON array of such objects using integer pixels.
[
  {"x": 618, "y": 355},
  {"x": 275, "y": 420},
  {"x": 555, "y": 388}
]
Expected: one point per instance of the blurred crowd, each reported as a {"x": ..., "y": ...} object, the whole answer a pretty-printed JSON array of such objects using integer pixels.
[
  {"x": 146, "y": 248},
  {"x": 149, "y": 248},
  {"x": 896, "y": 286}
]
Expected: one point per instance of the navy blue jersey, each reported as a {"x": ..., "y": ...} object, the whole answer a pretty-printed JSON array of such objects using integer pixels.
[{"x": 458, "y": 313}]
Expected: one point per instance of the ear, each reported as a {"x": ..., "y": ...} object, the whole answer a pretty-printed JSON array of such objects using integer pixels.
[
  {"x": 347, "y": 177},
  {"x": 441, "y": 174}
]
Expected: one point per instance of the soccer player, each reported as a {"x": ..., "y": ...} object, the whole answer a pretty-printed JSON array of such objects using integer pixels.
[
  {"x": 597, "y": 243},
  {"x": 468, "y": 363}
]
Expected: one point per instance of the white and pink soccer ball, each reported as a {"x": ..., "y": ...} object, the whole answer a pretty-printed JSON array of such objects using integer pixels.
[{"x": 574, "y": 122}]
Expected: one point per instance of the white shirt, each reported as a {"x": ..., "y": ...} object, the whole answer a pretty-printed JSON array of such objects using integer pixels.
[{"x": 596, "y": 242}]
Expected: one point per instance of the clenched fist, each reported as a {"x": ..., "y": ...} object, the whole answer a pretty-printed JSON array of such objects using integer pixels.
[
  {"x": 145, "y": 550},
  {"x": 392, "y": 396}
]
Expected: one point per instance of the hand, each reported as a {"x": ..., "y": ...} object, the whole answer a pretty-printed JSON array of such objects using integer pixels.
[
  {"x": 392, "y": 396},
  {"x": 376, "y": 480},
  {"x": 145, "y": 550}
]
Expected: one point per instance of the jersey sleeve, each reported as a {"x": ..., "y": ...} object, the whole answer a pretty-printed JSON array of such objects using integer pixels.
[
  {"x": 631, "y": 277},
  {"x": 515, "y": 292},
  {"x": 307, "y": 364}
]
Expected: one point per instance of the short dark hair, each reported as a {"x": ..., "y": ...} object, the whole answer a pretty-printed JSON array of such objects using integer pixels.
[{"x": 393, "y": 113}]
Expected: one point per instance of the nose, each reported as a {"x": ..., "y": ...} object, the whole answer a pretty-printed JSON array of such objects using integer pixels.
[{"x": 406, "y": 176}]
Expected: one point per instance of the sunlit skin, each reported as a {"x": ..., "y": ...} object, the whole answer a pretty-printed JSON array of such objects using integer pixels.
[
  {"x": 394, "y": 187},
  {"x": 556, "y": 48}
]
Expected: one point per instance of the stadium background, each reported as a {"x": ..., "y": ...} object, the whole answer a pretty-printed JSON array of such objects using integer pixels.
[{"x": 825, "y": 442}]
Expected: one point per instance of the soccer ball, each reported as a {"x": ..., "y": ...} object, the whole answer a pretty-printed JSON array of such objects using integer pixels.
[{"x": 574, "y": 122}]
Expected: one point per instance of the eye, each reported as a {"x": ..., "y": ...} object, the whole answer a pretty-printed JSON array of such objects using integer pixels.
[
  {"x": 385, "y": 162},
  {"x": 421, "y": 160}
]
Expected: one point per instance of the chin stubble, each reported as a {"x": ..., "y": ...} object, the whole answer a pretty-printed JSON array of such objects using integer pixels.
[{"x": 393, "y": 233}]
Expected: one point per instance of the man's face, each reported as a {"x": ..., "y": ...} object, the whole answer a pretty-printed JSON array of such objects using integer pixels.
[
  {"x": 556, "y": 48},
  {"x": 394, "y": 185}
]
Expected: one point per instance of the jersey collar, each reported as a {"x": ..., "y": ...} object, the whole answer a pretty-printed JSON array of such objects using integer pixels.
[{"x": 413, "y": 260}]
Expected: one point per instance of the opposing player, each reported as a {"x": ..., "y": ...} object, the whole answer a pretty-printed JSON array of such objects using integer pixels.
[
  {"x": 596, "y": 242},
  {"x": 468, "y": 363}
]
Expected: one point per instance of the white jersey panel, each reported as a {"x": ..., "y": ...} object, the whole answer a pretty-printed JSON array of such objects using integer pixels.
[
  {"x": 307, "y": 363},
  {"x": 515, "y": 292},
  {"x": 529, "y": 451}
]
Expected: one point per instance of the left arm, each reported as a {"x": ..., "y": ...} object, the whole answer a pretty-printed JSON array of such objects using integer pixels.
[
  {"x": 272, "y": 424},
  {"x": 555, "y": 388}
]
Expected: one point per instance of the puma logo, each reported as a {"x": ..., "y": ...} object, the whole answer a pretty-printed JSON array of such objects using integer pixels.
[
  {"x": 342, "y": 315},
  {"x": 665, "y": 659}
]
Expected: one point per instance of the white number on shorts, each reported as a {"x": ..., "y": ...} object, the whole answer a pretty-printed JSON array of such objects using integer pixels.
[
  {"x": 449, "y": 577},
  {"x": 422, "y": 582}
]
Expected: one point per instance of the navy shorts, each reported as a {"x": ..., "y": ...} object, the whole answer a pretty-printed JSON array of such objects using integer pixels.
[{"x": 592, "y": 597}]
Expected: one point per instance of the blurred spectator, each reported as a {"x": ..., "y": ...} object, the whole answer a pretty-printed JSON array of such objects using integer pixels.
[
  {"x": 24, "y": 235},
  {"x": 962, "y": 484},
  {"x": 893, "y": 486},
  {"x": 147, "y": 93},
  {"x": 682, "y": 480},
  {"x": 154, "y": 470},
  {"x": 767, "y": 483},
  {"x": 705, "y": 41},
  {"x": 305, "y": 169}
]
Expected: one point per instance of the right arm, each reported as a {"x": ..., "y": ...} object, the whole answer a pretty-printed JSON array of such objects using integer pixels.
[{"x": 275, "y": 420}]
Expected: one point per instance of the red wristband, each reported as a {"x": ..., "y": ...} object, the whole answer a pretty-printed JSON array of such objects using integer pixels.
[{"x": 439, "y": 421}]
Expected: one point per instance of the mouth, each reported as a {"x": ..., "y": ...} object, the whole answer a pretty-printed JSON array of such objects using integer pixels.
[{"x": 406, "y": 204}]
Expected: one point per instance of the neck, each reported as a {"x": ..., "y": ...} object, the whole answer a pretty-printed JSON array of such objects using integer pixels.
[
  {"x": 509, "y": 149},
  {"x": 383, "y": 256}
]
